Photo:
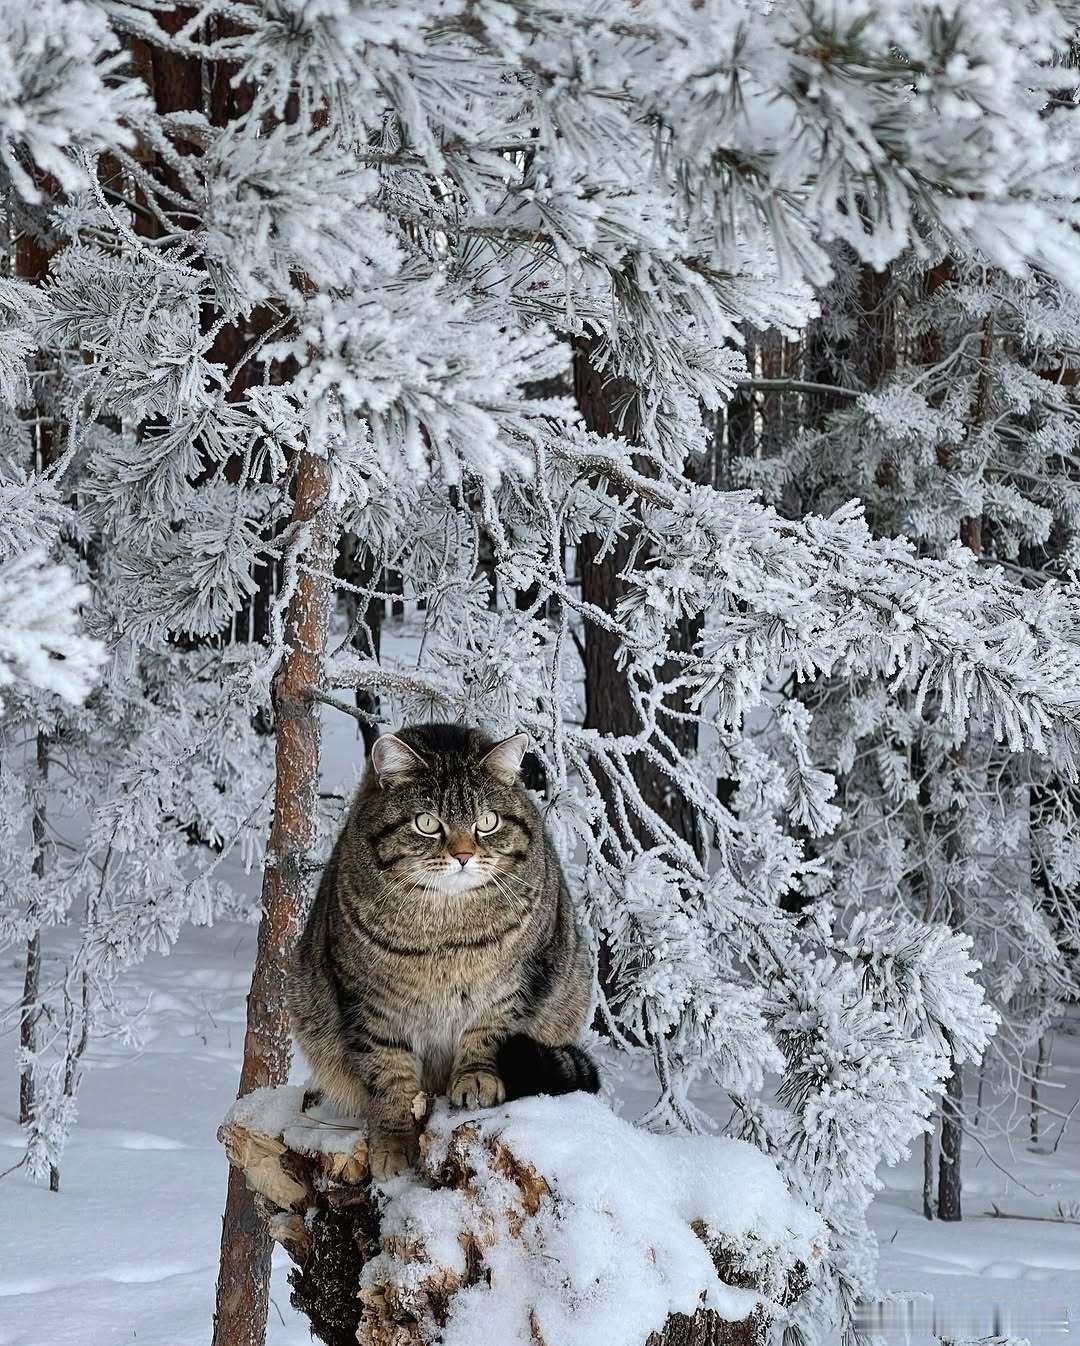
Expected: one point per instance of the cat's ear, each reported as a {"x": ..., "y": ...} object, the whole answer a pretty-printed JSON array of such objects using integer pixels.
[
  {"x": 504, "y": 760},
  {"x": 393, "y": 761}
]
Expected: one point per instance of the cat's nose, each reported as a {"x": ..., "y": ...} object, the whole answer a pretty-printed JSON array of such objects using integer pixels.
[{"x": 463, "y": 857}]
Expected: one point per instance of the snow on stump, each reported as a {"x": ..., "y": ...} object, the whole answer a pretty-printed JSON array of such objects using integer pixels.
[{"x": 544, "y": 1222}]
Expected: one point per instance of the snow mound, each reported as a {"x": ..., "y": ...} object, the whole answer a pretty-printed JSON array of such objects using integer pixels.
[
  {"x": 553, "y": 1220},
  {"x": 545, "y": 1222}
]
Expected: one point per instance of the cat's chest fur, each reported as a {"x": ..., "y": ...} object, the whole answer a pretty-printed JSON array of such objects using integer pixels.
[{"x": 436, "y": 1030}]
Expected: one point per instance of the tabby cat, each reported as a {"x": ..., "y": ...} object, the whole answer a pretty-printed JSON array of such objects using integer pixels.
[{"x": 441, "y": 954}]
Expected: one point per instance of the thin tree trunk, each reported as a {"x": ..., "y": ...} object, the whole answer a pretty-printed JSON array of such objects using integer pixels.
[
  {"x": 771, "y": 347},
  {"x": 75, "y": 1046},
  {"x": 29, "y": 1009},
  {"x": 395, "y": 584},
  {"x": 1036, "y": 1079},
  {"x": 365, "y": 616},
  {"x": 952, "y": 1135},
  {"x": 28, "y": 1025},
  {"x": 243, "y": 1276},
  {"x": 952, "y": 1107},
  {"x": 928, "y": 1165},
  {"x": 979, "y": 1092},
  {"x": 922, "y": 881},
  {"x": 76, "y": 1049},
  {"x": 32, "y": 252},
  {"x": 740, "y": 435},
  {"x": 952, "y": 1110}
]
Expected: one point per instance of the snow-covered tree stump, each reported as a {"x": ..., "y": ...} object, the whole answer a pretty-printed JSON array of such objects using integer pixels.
[{"x": 545, "y": 1222}]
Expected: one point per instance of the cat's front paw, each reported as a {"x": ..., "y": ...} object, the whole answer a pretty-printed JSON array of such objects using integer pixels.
[
  {"x": 476, "y": 1089},
  {"x": 391, "y": 1153}
]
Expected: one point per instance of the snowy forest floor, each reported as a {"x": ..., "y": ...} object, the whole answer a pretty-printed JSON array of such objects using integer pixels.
[{"x": 127, "y": 1251}]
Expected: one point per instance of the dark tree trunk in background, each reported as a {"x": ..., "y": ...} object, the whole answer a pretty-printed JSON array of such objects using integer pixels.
[
  {"x": 181, "y": 83},
  {"x": 863, "y": 360},
  {"x": 32, "y": 252},
  {"x": 488, "y": 565},
  {"x": 930, "y": 1158},
  {"x": 1042, "y": 1062},
  {"x": 533, "y": 774},
  {"x": 243, "y": 1277},
  {"x": 77, "y": 1016},
  {"x": 226, "y": 100},
  {"x": 360, "y": 568},
  {"x": 28, "y": 1017},
  {"x": 875, "y": 350},
  {"x": 922, "y": 882},
  {"x": 866, "y": 361},
  {"x": 609, "y": 707},
  {"x": 952, "y": 1110},
  {"x": 30, "y": 1010},
  {"x": 555, "y": 386},
  {"x": 739, "y": 423},
  {"x": 952, "y": 1135}
]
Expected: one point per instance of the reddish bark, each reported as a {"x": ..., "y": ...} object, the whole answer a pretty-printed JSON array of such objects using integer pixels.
[
  {"x": 176, "y": 82},
  {"x": 243, "y": 1277}
]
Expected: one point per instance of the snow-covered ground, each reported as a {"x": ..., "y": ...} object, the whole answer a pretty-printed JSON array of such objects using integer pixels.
[
  {"x": 996, "y": 1273},
  {"x": 126, "y": 1252}
]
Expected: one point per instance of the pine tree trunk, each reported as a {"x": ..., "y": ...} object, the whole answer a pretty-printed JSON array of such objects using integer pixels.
[
  {"x": 76, "y": 1044},
  {"x": 28, "y": 1025},
  {"x": 31, "y": 254},
  {"x": 362, "y": 570},
  {"x": 243, "y": 1276},
  {"x": 952, "y": 1109},
  {"x": 952, "y": 1135},
  {"x": 396, "y": 585},
  {"x": 29, "y": 1009},
  {"x": 1041, "y": 1062},
  {"x": 977, "y": 1121},
  {"x": 608, "y": 704},
  {"x": 929, "y": 1148},
  {"x": 77, "y": 1013},
  {"x": 923, "y": 883},
  {"x": 179, "y": 83},
  {"x": 775, "y": 357},
  {"x": 740, "y": 414}
]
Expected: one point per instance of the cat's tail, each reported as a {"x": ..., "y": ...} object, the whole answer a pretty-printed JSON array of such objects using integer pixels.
[{"x": 529, "y": 1067}]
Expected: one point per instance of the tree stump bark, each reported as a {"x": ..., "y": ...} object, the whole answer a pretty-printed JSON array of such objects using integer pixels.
[{"x": 386, "y": 1267}]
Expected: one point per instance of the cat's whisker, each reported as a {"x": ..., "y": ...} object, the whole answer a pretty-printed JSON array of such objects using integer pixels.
[
  {"x": 496, "y": 881},
  {"x": 505, "y": 880}
]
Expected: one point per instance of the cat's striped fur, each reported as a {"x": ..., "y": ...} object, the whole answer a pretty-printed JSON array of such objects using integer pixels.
[{"x": 440, "y": 963}]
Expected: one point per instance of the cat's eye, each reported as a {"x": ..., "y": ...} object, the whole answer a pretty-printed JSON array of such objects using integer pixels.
[
  {"x": 428, "y": 824},
  {"x": 487, "y": 822}
]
